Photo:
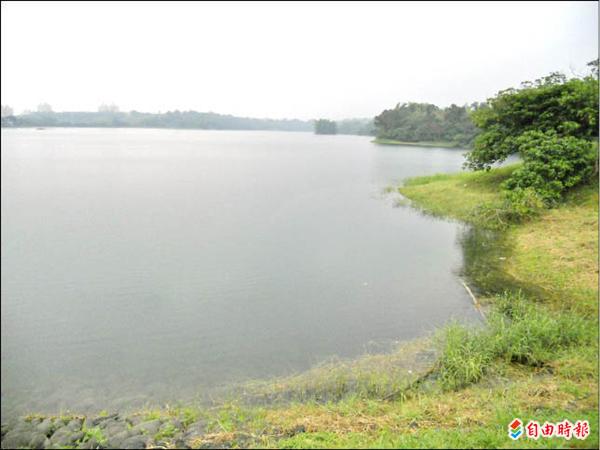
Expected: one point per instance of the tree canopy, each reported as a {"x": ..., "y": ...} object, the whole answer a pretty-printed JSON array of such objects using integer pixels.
[
  {"x": 567, "y": 107},
  {"x": 414, "y": 122},
  {"x": 552, "y": 123}
]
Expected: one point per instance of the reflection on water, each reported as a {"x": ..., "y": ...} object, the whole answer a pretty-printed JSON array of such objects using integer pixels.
[{"x": 486, "y": 259}]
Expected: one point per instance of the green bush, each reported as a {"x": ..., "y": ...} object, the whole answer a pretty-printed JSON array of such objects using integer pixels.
[{"x": 551, "y": 165}]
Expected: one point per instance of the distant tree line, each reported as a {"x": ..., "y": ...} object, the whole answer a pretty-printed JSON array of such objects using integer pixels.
[
  {"x": 324, "y": 126},
  {"x": 418, "y": 122},
  {"x": 363, "y": 127},
  {"x": 110, "y": 116}
]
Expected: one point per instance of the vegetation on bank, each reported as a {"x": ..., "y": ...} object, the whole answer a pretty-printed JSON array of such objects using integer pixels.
[
  {"x": 109, "y": 116},
  {"x": 382, "y": 141},
  {"x": 423, "y": 122}
]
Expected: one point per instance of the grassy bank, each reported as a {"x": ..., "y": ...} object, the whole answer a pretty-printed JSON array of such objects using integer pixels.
[
  {"x": 415, "y": 144},
  {"x": 537, "y": 358}
]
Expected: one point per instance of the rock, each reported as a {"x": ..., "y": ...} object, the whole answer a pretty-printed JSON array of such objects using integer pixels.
[
  {"x": 16, "y": 439},
  {"x": 46, "y": 427},
  {"x": 150, "y": 427},
  {"x": 103, "y": 420},
  {"x": 65, "y": 437},
  {"x": 134, "y": 420},
  {"x": 116, "y": 440},
  {"x": 180, "y": 443},
  {"x": 24, "y": 426},
  {"x": 37, "y": 440},
  {"x": 139, "y": 441},
  {"x": 195, "y": 429},
  {"x": 113, "y": 427},
  {"x": 74, "y": 425}
]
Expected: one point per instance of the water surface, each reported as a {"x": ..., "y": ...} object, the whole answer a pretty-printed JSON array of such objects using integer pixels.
[{"x": 156, "y": 264}]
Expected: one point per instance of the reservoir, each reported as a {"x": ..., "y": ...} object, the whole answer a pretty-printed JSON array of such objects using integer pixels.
[{"x": 143, "y": 265}]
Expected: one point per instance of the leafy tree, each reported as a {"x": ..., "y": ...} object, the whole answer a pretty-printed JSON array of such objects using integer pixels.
[
  {"x": 324, "y": 126},
  {"x": 552, "y": 124},
  {"x": 552, "y": 103}
]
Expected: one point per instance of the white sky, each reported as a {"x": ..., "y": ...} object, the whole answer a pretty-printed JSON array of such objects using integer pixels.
[{"x": 294, "y": 60}]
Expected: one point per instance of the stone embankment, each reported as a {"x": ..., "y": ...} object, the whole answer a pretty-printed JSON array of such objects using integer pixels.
[{"x": 103, "y": 431}]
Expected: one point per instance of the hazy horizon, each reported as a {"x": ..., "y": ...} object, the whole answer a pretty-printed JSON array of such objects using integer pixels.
[{"x": 284, "y": 60}]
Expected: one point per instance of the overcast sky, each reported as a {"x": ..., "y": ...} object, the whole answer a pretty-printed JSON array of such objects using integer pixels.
[{"x": 302, "y": 60}]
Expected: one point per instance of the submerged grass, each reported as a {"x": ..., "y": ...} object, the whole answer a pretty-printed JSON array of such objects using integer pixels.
[{"x": 370, "y": 376}]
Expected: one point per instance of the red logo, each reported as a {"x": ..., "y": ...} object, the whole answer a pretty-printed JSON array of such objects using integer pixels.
[{"x": 516, "y": 424}]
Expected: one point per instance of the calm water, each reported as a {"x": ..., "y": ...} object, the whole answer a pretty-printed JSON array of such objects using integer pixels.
[{"x": 155, "y": 264}]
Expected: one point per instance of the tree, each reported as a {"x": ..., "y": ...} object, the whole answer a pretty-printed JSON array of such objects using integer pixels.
[
  {"x": 112, "y": 108},
  {"x": 551, "y": 103},
  {"x": 44, "y": 108},
  {"x": 7, "y": 111},
  {"x": 324, "y": 126},
  {"x": 552, "y": 123}
]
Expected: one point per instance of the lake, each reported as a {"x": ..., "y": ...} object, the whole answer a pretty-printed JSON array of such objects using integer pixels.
[{"x": 143, "y": 264}]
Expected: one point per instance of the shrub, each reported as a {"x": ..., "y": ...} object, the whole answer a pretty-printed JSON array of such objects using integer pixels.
[{"x": 551, "y": 165}]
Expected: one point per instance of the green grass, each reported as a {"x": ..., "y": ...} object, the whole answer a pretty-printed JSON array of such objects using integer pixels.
[
  {"x": 381, "y": 141},
  {"x": 518, "y": 331},
  {"x": 456, "y": 196},
  {"x": 167, "y": 431},
  {"x": 94, "y": 432}
]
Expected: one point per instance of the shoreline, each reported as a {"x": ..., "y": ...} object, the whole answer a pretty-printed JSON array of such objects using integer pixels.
[
  {"x": 365, "y": 403},
  {"x": 380, "y": 141}
]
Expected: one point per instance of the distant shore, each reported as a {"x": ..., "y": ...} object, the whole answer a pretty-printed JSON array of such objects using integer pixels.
[{"x": 381, "y": 141}]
